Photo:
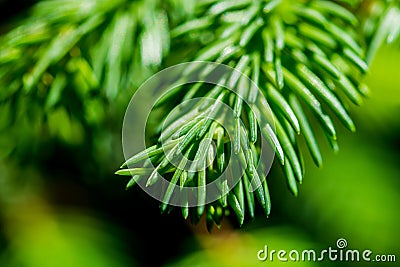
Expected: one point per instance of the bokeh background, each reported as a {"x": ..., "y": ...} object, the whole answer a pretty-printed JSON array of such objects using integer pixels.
[{"x": 61, "y": 205}]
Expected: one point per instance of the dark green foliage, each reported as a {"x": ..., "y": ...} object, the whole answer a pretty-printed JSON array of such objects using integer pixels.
[
  {"x": 71, "y": 60},
  {"x": 303, "y": 56}
]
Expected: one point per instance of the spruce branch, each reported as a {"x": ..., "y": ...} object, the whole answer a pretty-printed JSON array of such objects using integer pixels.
[
  {"x": 71, "y": 58},
  {"x": 305, "y": 56}
]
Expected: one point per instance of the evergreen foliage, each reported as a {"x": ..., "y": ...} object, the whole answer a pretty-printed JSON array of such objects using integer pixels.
[{"x": 307, "y": 57}]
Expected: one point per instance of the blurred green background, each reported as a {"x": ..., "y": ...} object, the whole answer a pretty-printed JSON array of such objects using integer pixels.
[{"x": 61, "y": 205}]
